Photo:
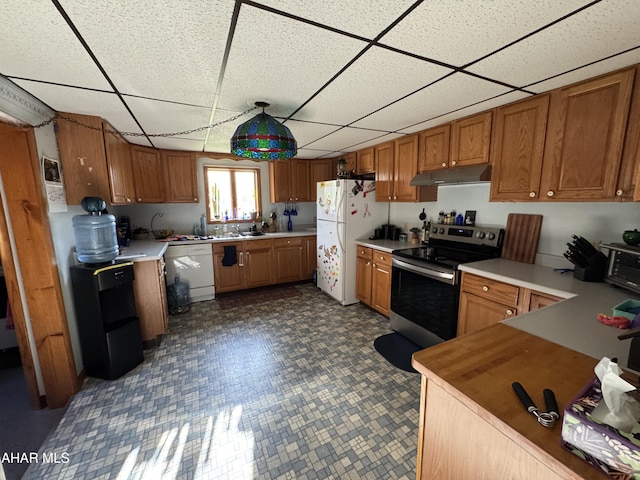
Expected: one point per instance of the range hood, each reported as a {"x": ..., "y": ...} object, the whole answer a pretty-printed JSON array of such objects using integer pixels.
[{"x": 453, "y": 176}]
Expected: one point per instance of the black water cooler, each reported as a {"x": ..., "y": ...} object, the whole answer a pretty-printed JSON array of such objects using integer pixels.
[{"x": 108, "y": 326}]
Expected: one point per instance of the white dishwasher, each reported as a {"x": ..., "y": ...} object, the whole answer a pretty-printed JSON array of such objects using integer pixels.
[{"x": 193, "y": 264}]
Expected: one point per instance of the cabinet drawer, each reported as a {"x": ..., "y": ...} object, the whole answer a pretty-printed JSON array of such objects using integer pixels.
[
  {"x": 286, "y": 242},
  {"x": 491, "y": 289},
  {"x": 219, "y": 247},
  {"x": 383, "y": 258},
  {"x": 364, "y": 252}
]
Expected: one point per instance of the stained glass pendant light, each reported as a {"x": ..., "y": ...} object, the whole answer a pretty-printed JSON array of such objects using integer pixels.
[{"x": 263, "y": 137}]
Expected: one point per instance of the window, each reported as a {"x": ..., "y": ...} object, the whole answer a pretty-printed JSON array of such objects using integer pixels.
[{"x": 232, "y": 193}]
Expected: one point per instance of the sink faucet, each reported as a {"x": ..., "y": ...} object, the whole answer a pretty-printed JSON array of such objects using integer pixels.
[{"x": 237, "y": 227}]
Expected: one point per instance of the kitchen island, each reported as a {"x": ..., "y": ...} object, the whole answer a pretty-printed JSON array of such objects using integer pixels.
[{"x": 471, "y": 423}]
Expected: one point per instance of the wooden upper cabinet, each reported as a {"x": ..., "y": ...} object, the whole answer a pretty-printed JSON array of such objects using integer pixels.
[
  {"x": 365, "y": 161},
  {"x": 82, "y": 157},
  {"x": 279, "y": 180},
  {"x": 405, "y": 168},
  {"x": 433, "y": 149},
  {"x": 587, "y": 123},
  {"x": 300, "y": 188},
  {"x": 628, "y": 187},
  {"x": 352, "y": 161},
  {"x": 319, "y": 171},
  {"x": 384, "y": 154},
  {"x": 470, "y": 139},
  {"x": 289, "y": 180},
  {"x": 517, "y": 149},
  {"x": 118, "y": 152},
  {"x": 147, "y": 174},
  {"x": 180, "y": 178}
]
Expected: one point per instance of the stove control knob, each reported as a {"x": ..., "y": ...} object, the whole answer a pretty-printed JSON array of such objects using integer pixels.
[
  {"x": 434, "y": 230},
  {"x": 480, "y": 235},
  {"x": 441, "y": 231},
  {"x": 491, "y": 235}
]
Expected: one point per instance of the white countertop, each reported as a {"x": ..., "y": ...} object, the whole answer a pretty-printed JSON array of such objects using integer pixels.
[
  {"x": 572, "y": 322},
  {"x": 384, "y": 245}
]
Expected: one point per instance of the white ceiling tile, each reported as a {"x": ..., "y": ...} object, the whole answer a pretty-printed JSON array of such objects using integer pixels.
[
  {"x": 464, "y": 112},
  {"x": 281, "y": 61},
  {"x": 85, "y": 102},
  {"x": 157, "y": 48},
  {"x": 165, "y": 117},
  {"x": 597, "y": 32},
  {"x": 366, "y": 19},
  {"x": 306, "y": 133},
  {"x": 176, "y": 143},
  {"x": 605, "y": 66},
  {"x": 458, "y": 32},
  {"x": 38, "y": 44},
  {"x": 452, "y": 93},
  {"x": 389, "y": 76},
  {"x": 312, "y": 153},
  {"x": 375, "y": 141},
  {"x": 345, "y": 138}
]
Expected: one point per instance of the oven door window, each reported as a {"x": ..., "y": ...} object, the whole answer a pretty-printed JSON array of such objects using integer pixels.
[{"x": 425, "y": 301}]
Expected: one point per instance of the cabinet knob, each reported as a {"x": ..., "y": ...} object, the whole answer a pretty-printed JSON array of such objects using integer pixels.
[
  {"x": 485, "y": 288},
  {"x": 368, "y": 264},
  {"x": 453, "y": 162},
  {"x": 195, "y": 199},
  {"x": 619, "y": 193},
  {"x": 139, "y": 199},
  {"x": 550, "y": 193},
  {"x": 395, "y": 197},
  {"x": 444, "y": 164},
  {"x": 362, "y": 252},
  {"x": 382, "y": 258},
  {"x": 509, "y": 311},
  {"x": 532, "y": 194}
]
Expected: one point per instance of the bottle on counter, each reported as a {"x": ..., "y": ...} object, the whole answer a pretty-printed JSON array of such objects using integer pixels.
[{"x": 425, "y": 231}]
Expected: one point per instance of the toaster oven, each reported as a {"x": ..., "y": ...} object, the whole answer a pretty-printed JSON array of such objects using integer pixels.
[{"x": 623, "y": 266}]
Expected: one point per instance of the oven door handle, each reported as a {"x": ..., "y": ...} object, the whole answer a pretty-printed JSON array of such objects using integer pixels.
[{"x": 436, "y": 275}]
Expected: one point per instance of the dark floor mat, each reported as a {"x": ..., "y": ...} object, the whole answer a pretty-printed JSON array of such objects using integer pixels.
[
  {"x": 397, "y": 350},
  {"x": 10, "y": 358}
]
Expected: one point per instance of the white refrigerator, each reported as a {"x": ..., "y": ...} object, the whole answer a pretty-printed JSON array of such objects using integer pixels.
[{"x": 346, "y": 211}]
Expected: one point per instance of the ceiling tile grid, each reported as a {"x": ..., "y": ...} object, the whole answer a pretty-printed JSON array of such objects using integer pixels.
[
  {"x": 604, "y": 29},
  {"x": 377, "y": 78},
  {"x": 37, "y": 44},
  {"x": 458, "y": 32},
  {"x": 157, "y": 48}
]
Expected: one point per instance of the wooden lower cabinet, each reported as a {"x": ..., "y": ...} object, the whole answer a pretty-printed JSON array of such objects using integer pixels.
[
  {"x": 289, "y": 259},
  {"x": 264, "y": 262},
  {"x": 150, "y": 294},
  {"x": 485, "y": 302},
  {"x": 373, "y": 278}
]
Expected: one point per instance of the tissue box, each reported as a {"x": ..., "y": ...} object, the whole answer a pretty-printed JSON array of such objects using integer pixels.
[
  {"x": 602, "y": 446},
  {"x": 628, "y": 308}
]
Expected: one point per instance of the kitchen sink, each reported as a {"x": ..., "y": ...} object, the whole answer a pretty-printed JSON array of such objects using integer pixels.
[{"x": 251, "y": 234}]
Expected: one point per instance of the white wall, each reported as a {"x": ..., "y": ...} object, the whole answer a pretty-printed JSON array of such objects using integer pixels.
[{"x": 596, "y": 221}]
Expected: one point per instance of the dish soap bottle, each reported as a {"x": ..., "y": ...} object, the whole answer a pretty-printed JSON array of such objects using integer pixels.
[{"x": 425, "y": 231}]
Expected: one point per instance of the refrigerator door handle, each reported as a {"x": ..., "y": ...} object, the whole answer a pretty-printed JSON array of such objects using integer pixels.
[{"x": 341, "y": 193}]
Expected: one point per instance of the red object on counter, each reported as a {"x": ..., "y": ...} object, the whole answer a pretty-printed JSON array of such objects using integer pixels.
[{"x": 617, "y": 321}]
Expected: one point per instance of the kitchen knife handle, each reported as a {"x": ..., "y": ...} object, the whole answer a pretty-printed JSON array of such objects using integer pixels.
[
  {"x": 524, "y": 397},
  {"x": 550, "y": 402}
]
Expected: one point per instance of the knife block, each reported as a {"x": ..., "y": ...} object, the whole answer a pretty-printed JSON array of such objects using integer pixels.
[{"x": 594, "y": 271}]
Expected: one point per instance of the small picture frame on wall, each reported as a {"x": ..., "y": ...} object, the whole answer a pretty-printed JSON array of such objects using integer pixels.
[{"x": 470, "y": 217}]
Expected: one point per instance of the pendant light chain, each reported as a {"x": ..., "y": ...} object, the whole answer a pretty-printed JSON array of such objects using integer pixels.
[{"x": 136, "y": 134}]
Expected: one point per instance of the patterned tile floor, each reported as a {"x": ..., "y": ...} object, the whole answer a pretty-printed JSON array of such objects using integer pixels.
[{"x": 291, "y": 389}]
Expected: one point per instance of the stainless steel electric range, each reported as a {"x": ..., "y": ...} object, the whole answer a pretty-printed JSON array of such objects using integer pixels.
[{"x": 425, "y": 284}]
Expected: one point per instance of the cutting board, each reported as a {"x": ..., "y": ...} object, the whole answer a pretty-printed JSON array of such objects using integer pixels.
[{"x": 521, "y": 237}]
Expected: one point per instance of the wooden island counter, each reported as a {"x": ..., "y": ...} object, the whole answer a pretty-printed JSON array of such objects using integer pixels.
[{"x": 472, "y": 425}]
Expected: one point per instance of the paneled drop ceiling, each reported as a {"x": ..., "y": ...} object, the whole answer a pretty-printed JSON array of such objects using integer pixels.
[{"x": 342, "y": 75}]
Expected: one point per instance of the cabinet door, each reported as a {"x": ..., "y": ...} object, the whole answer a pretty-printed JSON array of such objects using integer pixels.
[
  {"x": 311, "y": 261},
  {"x": 517, "y": 149},
  {"x": 150, "y": 299},
  {"x": 433, "y": 150},
  {"x": 476, "y": 312},
  {"x": 180, "y": 181},
  {"x": 628, "y": 187},
  {"x": 319, "y": 171},
  {"x": 363, "y": 279},
  {"x": 381, "y": 282},
  {"x": 365, "y": 161},
  {"x": 583, "y": 148},
  {"x": 82, "y": 158},
  {"x": 540, "y": 300},
  {"x": 227, "y": 278},
  {"x": 351, "y": 159},
  {"x": 288, "y": 259},
  {"x": 162, "y": 286},
  {"x": 300, "y": 190},
  {"x": 147, "y": 175},
  {"x": 257, "y": 262},
  {"x": 384, "y": 171},
  {"x": 470, "y": 139},
  {"x": 118, "y": 152},
  {"x": 280, "y": 181},
  {"x": 405, "y": 168}
]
